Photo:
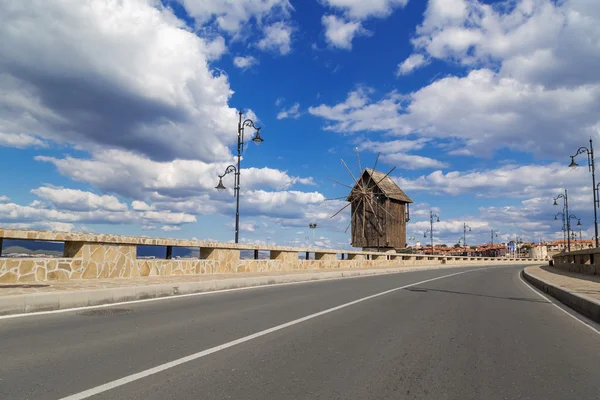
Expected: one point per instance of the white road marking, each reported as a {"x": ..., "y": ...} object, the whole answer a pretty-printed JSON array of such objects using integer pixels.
[
  {"x": 143, "y": 374},
  {"x": 179, "y": 296},
  {"x": 536, "y": 291}
]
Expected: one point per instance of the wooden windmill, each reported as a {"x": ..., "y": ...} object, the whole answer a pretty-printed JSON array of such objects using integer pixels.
[{"x": 379, "y": 210}]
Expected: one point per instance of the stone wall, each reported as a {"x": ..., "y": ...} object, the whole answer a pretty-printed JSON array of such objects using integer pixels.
[
  {"x": 89, "y": 256},
  {"x": 583, "y": 261}
]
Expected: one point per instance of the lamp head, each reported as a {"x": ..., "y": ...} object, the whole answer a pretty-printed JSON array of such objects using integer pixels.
[
  {"x": 555, "y": 203},
  {"x": 257, "y": 139},
  {"x": 573, "y": 163},
  {"x": 578, "y": 222},
  {"x": 220, "y": 186},
  {"x": 556, "y": 218}
]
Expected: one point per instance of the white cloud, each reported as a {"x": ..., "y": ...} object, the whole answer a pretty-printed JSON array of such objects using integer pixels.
[
  {"x": 362, "y": 9},
  {"x": 277, "y": 38},
  {"x": 169, "y": 228},
  {"x": 482, "y": 109},
  {"x": 340, "y": 33},
  {"x": 536, "y": 41},
  {"x": 78, "y": 200},
  {"x": 292, "y": 112},
  {"x": 411, "y": 161},
  {"x": 392, "y": 146},
  {"x": 4, "y": 199},
  {"x": 413, "y": 62},
  {"x": 137, "y": 79},
  {"x": 140, "y": 206},
  {"x": 245, "y": 62},
  {"x": 138, "y": 177},
  {"x": 532, "y": 84},
  {"x": 506, "y": 181},
  {"x": 231, "y": 15},
  {"x": 20, "y": 140}
]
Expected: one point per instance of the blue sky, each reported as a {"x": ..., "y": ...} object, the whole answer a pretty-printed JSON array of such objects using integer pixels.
[{"x": 116, "y": 117}]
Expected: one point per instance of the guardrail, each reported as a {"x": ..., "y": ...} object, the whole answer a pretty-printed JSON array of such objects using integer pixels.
[
  {"x": 96, "y": 256},
  {"x": 585, "y": 261}
]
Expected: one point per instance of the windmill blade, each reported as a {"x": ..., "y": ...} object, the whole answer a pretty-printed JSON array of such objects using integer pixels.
[
  {"x": 340, "y": 183},
  {"x": 351, "y": 218},
  {"x": 358, "y": 159},
  {"x": 337, "y": 198},
  {"x": 386, "y": 211},
  {"x": 343, "y": 208},
  {"x": 375, "y": 214},
  {"x": 343, "y": 162},
  {"x": 364, "y": 213},
  {"x": 386, "y": 175},
  {"x": 374, "y": 167}
]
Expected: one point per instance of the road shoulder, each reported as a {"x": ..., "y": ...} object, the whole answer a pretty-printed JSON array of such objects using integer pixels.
[{"x": 580, "y": 292}]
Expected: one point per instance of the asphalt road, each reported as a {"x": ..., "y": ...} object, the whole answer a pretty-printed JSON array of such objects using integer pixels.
[{"x": 482, "y": 334}]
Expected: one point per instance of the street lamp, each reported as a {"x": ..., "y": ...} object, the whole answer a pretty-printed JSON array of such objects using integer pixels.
[
  {"x": 465, "y": 226},
  {"x": 494, "y": 234},
  {"x": 430, "y": 231},
  {"x": 312, "y": 226},
  {"x": 592, "y": 168},
  {"x": 565, "y": 198},
  {"x": 564, "y": 229},
  {"x": 232, "y": 169},
  {"x": 518, "y": 240}
]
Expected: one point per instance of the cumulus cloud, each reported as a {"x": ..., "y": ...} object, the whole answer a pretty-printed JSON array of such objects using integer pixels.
[
  {"x": 413, "y": 62},
  {"x": 139, "y": 177},
  {"x": 277, "y": 38},
  {"x": 340, "y": 33},
  {"x": 78, "y": 200},
  {"x": 137, "y": 79},
  {"x": 531, "y": 83},
  {"x": 361, "y": 9},
  {"x": 508, "y": 180},
  {"x": 292, "y": 112},
  {"x": 245, "y": 62},
  {"x": 169, "y": 228},
  {"x": 20, "y": 140},
  {"x": 232, "y": 15}
]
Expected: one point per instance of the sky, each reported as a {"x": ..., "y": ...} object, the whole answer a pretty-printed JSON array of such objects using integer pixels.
[{"x": 117, "y": 116}]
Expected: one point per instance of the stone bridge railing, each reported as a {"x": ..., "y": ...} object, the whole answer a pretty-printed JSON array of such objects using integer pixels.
[
  {"x": 583, "y": 261},
  {"x": 94, "y": 256}
]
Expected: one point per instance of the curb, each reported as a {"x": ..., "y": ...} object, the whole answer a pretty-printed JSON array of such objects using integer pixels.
[
  {"x": 583, "y": 305},
  {"x": 37, "y": 302}
]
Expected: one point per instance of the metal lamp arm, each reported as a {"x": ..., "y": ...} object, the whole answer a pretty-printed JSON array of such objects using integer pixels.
[
  {"x": 582, "y": 150},
  {"x": 230, "y": 169}
]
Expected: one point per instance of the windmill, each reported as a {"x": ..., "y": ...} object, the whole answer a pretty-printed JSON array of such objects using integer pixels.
[{"x": 379, "y": 209}]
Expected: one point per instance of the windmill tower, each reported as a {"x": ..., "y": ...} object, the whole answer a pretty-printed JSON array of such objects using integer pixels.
[{"x": 379, "y": 211}]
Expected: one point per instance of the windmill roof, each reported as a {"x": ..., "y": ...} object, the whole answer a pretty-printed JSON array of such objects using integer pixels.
[{"x": 387, "y": 186}]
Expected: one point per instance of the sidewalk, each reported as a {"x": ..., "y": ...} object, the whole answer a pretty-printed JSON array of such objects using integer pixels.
[
  {"x": 55, "y": 295},
  {"x": 581, "y": 292}
]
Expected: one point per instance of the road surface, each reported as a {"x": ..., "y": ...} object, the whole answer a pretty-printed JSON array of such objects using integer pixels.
[{"x": 460, "y": 333}]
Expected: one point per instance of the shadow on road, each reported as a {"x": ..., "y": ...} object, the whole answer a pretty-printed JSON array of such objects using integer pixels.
[{"x": 425, "y": 290}]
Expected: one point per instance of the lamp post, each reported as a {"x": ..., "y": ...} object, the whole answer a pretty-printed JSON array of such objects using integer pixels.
[
  {"x": 592, "y": 168},
  {"x": 573, "y": 233},
  {"x": 518, "y": 240},
  {"x": 565, "y": 198},
  {"x": 430, "y": 231},
  {"x": 465, "y": 226},
  {"x": 564, "y": 229},
  {"x": 494, "y": 234},
  {"x": 312, "y": 226},
  {"x": 232, "y": 169}
]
